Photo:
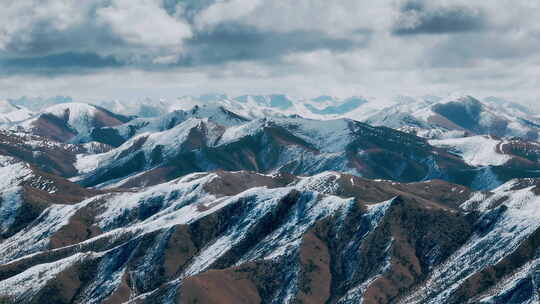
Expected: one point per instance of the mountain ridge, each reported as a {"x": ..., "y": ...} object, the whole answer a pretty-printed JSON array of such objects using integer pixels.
[{"x": 209, "y": 205}]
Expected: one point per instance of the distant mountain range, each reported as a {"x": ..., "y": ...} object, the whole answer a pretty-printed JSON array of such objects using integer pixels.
[
  {"x": 269, "y": 199},
  {"x": 430, "y": 116}
]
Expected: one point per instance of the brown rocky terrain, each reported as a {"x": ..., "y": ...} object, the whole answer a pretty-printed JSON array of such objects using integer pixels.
[
  {"x": 215, "y": 208},
  {"x": 243, "y": 237}
]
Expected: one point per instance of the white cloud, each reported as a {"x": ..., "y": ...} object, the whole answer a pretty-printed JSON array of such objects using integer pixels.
[
  {"x": 131, "y": 30},
  {"x": 226, "y": 11},
  {"x": 288, "y": 46},
  {"x": 144, "y": 24},
  {"x": 334, "y": 17},
  {"x": 18, "y": 18}
]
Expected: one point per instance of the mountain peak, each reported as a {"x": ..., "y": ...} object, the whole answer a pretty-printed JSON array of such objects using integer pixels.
[{"x": 202, "y": 200}]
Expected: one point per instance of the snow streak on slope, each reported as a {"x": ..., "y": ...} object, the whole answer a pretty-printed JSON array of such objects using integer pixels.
[
  {"x": 172, "y": 199},
  {"x": 77, "y": 115},
  {"x": 457, "y": 115},
  {"x": 22, "y": 287},
  {"x": 10, "y": 203},
  {"x": 508, "y": 227},
  {"x": 329, "y": 136},
  {"x": 12, "y": 172},
  {"x": 475, "y": 150},
  {"x": 36, "y": 236},
  {"x": 294, "y": 228}
]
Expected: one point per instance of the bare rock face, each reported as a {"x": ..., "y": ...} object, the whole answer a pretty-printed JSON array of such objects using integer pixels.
[{"x": 215, "y": 208}]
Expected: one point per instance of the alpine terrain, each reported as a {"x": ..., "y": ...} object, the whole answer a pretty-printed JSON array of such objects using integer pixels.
[{"x": 269, "y": 199}]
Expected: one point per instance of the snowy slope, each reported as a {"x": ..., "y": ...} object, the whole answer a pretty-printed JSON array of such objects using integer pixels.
[
  {"x": 254, "y": 106},
  {"x": 15, "y": 116},
  {"x": 509, "y": 225},
  {"x": 280, "y": 237},
  {"x": 117, "y": 135},
  {"x": 78, "y": 115},
  {"x": 241, "y": 200},
  {"x": 457, "y": 116},
  {"x": 475, "y": 150},
  {"x": 207, "y": 138},
  {"x": 12, "y": 171},
  {"x": 6, "y": 107},
  {"x": 69, "y": 122},
  {"x": 296, "y": 145},
  {"x": 10, "y": 113}
]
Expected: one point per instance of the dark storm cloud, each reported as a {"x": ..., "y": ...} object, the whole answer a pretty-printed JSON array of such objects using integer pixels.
[
  {"x": 466, "y": 50},
  {"x": 419, "y": 18},
  {"x": 89, "y": 45},
  {"x": 57, "y": 64},
  {"x": 46, "y": 51},
  {"x": 36, "y": 35},
  {"x": 238, "y": 42},
  {"x": 227, "y": 43},
  {"x": 301, "y": 45},
  {"x": 41, "y": 42}
]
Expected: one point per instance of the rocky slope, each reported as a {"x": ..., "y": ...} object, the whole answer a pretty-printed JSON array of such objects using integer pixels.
[
  {"x": 210, "y": 206},
  {"x": 51, "y": 156},
  {"x": 294, "y": 145},
  {"x": 240, "y": 237},
  {"x": 154, "y": 150}
]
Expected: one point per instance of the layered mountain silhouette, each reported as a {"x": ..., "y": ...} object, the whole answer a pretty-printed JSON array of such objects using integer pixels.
[{"x": 430, "y": 201}]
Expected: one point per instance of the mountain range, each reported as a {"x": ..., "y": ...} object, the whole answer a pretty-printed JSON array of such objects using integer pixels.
[{"x": 269, "y": 199}]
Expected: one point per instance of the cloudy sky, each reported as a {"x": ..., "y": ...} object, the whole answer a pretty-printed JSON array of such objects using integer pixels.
[{"x": 97, "y": 49}]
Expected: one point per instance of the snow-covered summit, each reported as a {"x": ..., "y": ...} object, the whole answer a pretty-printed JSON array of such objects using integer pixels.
[
  {"x": 458, "y": 115},
  {"x": 69, "y": 122},
  {"x": 10, "y": 113},
  {"x": 243, "y": 200}
]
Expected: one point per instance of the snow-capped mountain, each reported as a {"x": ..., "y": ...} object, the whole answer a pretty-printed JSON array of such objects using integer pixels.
[
  {"x": 251, "y": 106},
  {"x": 205, "y": 204},
  {"x": 207, "y": 138},
  {"x": 117, "y": 135},
  {"x": 458, "y": 116},
  {"x": 48, "y": 155},
  {"x": 10, "y": 113},
  {"x": 294, "y": 145},
  {"x": 69, "y": 122},
  {"x": 432, "y": 117},
  {"x": 233, "y": 237}
]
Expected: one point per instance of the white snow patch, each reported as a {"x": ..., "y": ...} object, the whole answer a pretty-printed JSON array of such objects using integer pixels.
[
  {"x": 10, "y": 203},
  {"x": 25, "y": 285},
  {"x": 506, "y": 234},
  {"x": 36, "y": 236},
  {"x": 475, "y": 150}
]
